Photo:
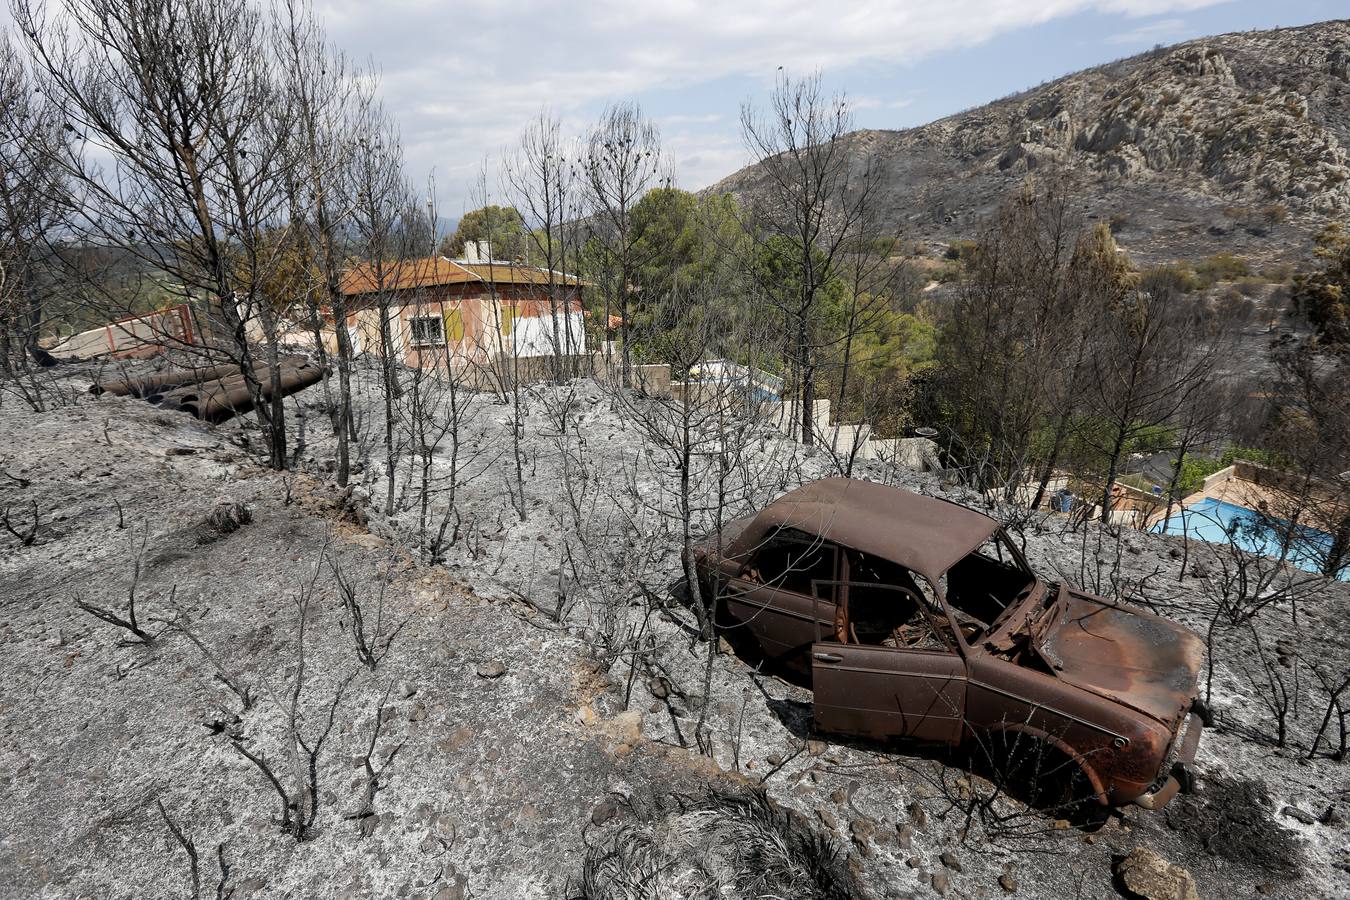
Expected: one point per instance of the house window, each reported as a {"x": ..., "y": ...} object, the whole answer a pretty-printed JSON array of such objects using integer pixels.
[{"x": 427, "y": 330}]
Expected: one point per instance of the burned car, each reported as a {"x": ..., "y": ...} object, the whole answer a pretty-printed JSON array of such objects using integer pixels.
[{"x": 917, "y": 618}]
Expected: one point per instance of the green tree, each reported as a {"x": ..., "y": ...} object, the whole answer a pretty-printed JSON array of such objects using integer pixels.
[
  {"x": 1323, "y": 296},
  {"x": 1310, "y": 427},
  {"x": 683, "y": 240},
  {"x": 501, "y": 226}
]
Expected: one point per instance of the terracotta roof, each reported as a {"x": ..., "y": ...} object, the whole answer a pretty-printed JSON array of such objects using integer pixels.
[
  {"x": 438, "y": 270},
  {"x": 512, "y": 273}
]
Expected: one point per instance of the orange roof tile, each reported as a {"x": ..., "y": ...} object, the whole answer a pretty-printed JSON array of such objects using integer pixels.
[
  {"x": 412, "y": 273},
  {"x": 510, "y": 273},
  {"x": 436, "y": 271}
]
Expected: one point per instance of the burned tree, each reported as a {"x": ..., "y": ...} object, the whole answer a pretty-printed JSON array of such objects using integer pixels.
[
  {"x": 814, "y": 200},
  {"x": 335, "y": 132},
  {"x": 622, "y": 160},
  {"x": 178, "y": 98},
  {"x": 34, "y": 201},
  {"x": 541, "y": 180}
]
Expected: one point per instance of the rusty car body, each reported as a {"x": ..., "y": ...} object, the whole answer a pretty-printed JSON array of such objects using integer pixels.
[{"x": 920, "y": 619}]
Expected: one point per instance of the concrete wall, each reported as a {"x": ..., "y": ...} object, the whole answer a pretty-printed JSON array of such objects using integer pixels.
[{"x": 133, "y": 336}]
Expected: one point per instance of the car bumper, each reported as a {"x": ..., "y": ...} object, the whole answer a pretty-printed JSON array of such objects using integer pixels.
[{"x": 1179, "y": 778}]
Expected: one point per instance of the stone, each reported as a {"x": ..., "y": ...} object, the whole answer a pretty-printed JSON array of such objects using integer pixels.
[
  {"x": 1331, "y": 817},
  {"x": 950, "y": 861},
  {"x": 492, "y": 669},
  {"x": 659, "y": 687},
  {"x": 458, "y": 738},
  {"x": 815, "y": 748},
  {"x": 1294, "y": 812},
  {"x": 418, "y": 713},
  {"x": 1008, "y": 882},
  {"x": 905, "y": 837},
  {"x": 1150, "y": 876},
  {"x": 827, "y": 819},
  {"x": 941, "y": 882},
  {"x": 917, "y": 816},
  {"x": 605, "y": 811},
  {"x": 406, "y": 690}
]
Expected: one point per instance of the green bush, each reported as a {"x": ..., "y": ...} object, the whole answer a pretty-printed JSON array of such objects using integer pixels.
[
  {"x": 1221, "y": 267},
  {"x": 1275, "y": 213},
  {"x": 1183, "y": 275},
  {"x": 961, "y": 249},
  {"x": 1252, "y": 454},
  {"x": 1194, "y": 470}
]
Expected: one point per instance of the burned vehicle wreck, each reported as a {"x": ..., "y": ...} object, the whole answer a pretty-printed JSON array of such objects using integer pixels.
[{"x": 915, "y": 618}]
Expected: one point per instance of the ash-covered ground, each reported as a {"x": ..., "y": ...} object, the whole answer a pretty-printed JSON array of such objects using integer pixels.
[{"x": 544, "y": 696}]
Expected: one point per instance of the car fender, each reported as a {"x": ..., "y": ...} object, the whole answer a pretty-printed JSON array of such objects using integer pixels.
[{"x": 1098, "y": 787}]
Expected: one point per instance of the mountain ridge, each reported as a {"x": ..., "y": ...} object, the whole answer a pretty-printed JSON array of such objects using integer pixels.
[{"x": 1230, "y": 143}]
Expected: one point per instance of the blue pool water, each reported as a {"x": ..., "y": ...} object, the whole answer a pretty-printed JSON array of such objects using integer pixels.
[{"x": 1219, "y": 522}]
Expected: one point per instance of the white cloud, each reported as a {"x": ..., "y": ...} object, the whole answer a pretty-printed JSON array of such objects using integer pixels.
[
  {"x": 463, "y": 79},
  {"x": 857, "y": 103},
  {"x": 1153, "y": 32}
]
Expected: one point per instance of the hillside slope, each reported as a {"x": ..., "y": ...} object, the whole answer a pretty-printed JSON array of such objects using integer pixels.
[{"x": 1232, "y": 143}]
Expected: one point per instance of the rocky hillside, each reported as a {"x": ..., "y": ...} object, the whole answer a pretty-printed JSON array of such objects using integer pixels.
[{"x": 1236, "y": 143}]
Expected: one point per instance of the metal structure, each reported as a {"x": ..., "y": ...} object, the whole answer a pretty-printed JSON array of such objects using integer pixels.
[
  {"x": 217, "y": 393},
  {"x": 920, "y": 619}
]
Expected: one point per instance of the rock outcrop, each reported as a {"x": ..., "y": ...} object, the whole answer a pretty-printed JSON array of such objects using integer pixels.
[{"x": 1237, "y": 143}]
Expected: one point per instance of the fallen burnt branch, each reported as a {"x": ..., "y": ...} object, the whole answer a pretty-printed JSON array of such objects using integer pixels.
[
  {"x": 28, "y": 534},
  {"x": 129, "y": 622},
  {"x": 186, "y": 843}
]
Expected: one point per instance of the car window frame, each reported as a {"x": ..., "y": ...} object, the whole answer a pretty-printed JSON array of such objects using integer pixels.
[{"x": 801, "y": 538}]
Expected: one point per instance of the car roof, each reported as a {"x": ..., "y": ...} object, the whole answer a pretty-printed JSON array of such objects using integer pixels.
[{"x": 923, "y": 534}]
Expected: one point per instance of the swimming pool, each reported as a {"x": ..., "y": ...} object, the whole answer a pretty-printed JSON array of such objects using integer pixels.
[{"x": 1218, "y": 522}]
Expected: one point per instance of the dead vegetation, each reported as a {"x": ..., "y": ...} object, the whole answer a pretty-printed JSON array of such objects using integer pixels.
[
  {"x": 723, "y": 843},
  {"x": 128, "y": 620}
]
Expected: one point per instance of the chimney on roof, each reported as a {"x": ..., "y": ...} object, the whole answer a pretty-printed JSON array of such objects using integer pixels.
[{"x": 477, "y": 251}]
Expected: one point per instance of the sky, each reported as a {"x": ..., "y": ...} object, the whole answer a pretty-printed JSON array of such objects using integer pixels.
[{"x": 463, "y": 79}]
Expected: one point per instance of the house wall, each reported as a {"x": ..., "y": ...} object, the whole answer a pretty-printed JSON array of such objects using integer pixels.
[{"x": 481, "y": 312}]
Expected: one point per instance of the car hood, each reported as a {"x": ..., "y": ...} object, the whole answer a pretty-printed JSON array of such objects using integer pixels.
[{"x": 1136, "y": 658}]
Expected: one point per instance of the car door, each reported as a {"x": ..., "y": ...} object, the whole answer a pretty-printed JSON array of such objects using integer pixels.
[
  {"x": 785, "y": 594},
  {"x": 889, "y": 692}
]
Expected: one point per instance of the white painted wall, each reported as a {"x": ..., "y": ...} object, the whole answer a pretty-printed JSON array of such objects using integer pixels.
[{"x": 533, "y": 335}]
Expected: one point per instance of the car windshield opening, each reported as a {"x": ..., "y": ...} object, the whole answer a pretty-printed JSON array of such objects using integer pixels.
[{"x": 986, "y": 582}]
